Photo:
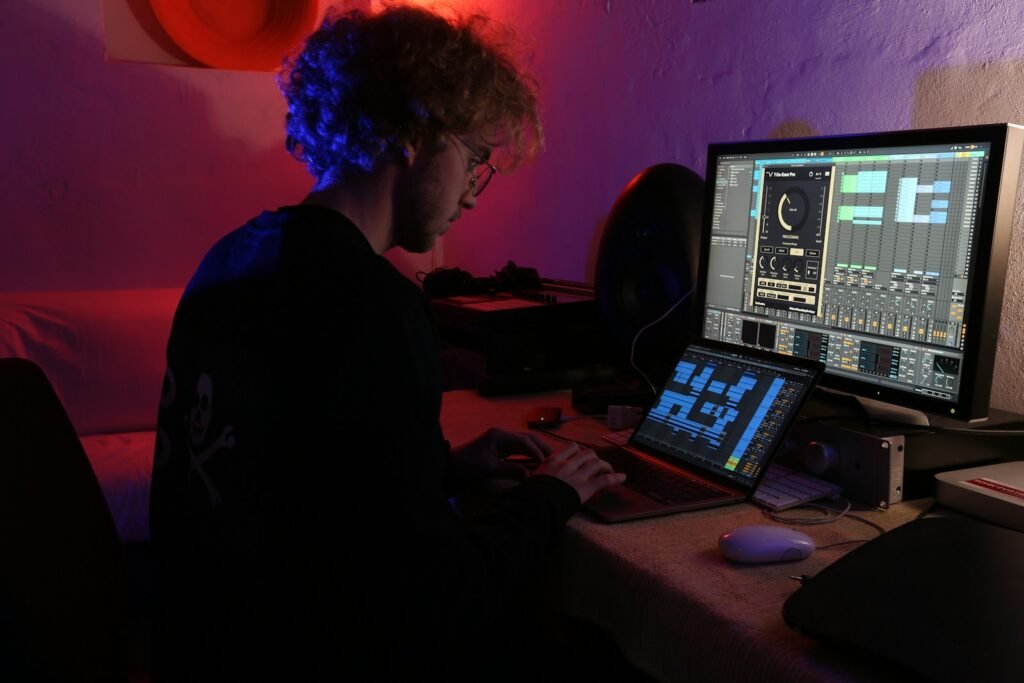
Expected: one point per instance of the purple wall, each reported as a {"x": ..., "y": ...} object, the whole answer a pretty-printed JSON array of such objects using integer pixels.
[
  {"x": 629, "y": 84},
  {"x": 121, "y": 175}
]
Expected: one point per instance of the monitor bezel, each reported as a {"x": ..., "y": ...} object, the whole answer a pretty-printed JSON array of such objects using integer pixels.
[{"x": 995, "y": 225}]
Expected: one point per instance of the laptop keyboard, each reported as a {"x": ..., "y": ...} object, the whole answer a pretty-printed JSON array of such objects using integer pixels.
[
  {"x": 659, "y": 483},
  {"x": 780, "y": 489}
]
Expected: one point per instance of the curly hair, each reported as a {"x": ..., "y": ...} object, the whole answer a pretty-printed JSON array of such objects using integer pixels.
[{"x": 366, "y": 82}]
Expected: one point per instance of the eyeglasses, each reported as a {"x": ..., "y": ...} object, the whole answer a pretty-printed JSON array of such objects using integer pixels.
[{"x": 483, "y": 170}]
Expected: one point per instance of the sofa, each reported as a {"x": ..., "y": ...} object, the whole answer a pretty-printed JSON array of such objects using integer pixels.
[{"x": 103, "y": 352}]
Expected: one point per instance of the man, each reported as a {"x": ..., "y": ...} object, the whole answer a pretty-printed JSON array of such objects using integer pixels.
[{"x": 300, "y": 511}]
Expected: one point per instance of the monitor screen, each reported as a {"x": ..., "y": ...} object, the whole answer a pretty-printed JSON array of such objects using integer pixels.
[{"x": 882, "y": 255}]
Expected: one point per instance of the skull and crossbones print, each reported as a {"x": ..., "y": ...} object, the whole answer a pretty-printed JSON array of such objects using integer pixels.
[{"x": 197, "y": 424}]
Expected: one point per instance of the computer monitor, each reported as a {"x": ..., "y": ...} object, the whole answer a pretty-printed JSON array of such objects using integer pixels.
[{"x": 882, "y": 255}]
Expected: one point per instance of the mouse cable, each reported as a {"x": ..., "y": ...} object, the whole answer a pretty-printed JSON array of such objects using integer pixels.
[
  {"x": 632, "y": 347},
  {"x": 842, "y": 543},
  {"x": 826, "y": 520},
  {"x": 927, "y": 511},
  {"x": 831, "y": 514},
  {"x": 871, "y": 524}
]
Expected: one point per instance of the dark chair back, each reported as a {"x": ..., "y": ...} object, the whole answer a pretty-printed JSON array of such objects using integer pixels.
[{"x": 63, "y": 585}]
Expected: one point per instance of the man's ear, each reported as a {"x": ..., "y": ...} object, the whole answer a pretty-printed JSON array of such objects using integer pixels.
[{"x": 407, "y": 153}]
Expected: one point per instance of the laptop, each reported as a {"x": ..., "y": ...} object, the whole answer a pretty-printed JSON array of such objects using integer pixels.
[{"x": 709, "y": 436}]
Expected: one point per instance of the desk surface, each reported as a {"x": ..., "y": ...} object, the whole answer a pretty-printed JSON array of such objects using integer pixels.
[{"x": 676, "y": 607}]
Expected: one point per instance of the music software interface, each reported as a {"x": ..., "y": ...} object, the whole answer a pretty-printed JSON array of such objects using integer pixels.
[
  {"x": 858, "y": 258},
  {"x": 724, "y": 412}
]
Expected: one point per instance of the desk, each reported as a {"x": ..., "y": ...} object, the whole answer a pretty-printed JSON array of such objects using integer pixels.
[{"x": 678, "y": 610}]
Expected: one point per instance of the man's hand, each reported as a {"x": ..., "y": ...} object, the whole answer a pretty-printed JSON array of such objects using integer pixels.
[
  {"x": 484, "y": 456},
  {"x": 581, "y": 469}
]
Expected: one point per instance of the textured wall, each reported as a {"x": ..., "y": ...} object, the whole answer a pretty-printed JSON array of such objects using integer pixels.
[
  {"x": 626, "y": 84},
  {"x": 121, "y": 175}
]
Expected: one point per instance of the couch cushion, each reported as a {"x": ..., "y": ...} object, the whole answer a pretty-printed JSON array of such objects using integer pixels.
[{"x": 103, "y": 350}]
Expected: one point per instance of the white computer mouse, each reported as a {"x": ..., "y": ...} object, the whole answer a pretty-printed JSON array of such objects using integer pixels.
[{"x": 760, "y": 543}]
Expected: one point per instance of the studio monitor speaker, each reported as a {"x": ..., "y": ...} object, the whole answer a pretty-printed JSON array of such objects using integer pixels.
[{"x": 648, "y": 260}]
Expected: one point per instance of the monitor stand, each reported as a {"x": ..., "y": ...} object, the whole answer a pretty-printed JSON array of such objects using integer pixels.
[
  {"x": 880, "y": 411},
  {"x": 838, "y": 405}
]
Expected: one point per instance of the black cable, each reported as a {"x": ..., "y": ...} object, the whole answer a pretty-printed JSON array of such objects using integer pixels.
[{"x": 636, "y": 337}]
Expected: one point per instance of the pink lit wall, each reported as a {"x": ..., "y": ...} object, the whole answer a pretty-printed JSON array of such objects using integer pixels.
[{"x": 121, "y": 175}]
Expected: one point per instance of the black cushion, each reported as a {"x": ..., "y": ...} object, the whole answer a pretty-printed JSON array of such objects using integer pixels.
[
  {"x": 941, "y": 598},
  {"x": 62, "y": 571}
]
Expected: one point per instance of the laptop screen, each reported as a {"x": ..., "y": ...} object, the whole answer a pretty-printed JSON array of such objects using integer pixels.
[{"x": 724, "y": 411}]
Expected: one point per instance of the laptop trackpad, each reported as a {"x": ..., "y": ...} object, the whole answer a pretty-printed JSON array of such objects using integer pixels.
[{"x": 617, "y": 503}]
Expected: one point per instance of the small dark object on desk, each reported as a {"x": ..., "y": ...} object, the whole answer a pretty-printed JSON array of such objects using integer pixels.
[
  {"x": 442, "y": 282},
  {"x": 620, "y": 389},
  {"x": 543, "y": 416},
  {"x": 450, "y": 282},
  {"x": 523, "y": 341}
]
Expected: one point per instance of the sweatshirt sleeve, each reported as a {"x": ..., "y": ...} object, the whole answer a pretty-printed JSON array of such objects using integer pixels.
[{"x": 465, "y": 572}]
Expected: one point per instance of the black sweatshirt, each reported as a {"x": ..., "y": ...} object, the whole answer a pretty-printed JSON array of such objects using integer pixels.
[{"x": 301, "y": 480}]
